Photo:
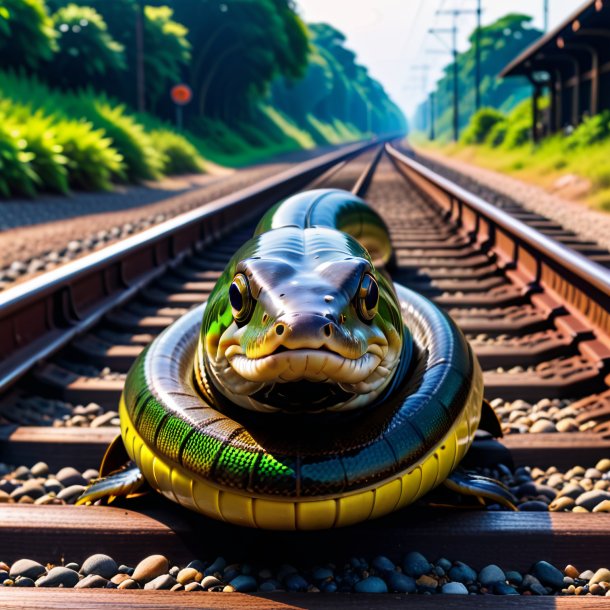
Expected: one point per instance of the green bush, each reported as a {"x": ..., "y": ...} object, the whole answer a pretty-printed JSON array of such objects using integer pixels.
[
  {"x": 142, "y": 160},
  {"x": 480, "y": 125},
  {"x": 47, "y": 161},
  {"x": 92, "y": 160},
  {"x": 517, "y": 134},
  {"x": 179, "y": 155},
  {"x": 592, "y": 129},
  {"x": 16, "y": 173},
  {"x": 27, "y": 37},
  {"x": 497, "y": 134}
]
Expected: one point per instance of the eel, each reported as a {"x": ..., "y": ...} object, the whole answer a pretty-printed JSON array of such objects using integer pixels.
[{"x": 309, "y": 391}]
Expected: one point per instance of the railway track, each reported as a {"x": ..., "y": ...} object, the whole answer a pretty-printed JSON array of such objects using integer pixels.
[{"x": 535, "y": 311}]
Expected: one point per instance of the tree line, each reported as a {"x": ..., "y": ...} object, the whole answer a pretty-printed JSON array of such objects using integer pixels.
[{"x": 235, "y": 55}]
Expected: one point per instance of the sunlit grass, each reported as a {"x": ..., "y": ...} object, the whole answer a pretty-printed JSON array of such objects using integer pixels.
[{"x": 576, "y": 166}]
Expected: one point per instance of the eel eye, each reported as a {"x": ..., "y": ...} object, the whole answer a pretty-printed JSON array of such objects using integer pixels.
[
  {"x": 240, "y": 298},
  {"x": 367, "y": 298}
]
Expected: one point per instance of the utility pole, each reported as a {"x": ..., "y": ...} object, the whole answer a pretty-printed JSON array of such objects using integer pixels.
[
  {"x": 454, "y": 52},
  {"x": 424, "y": 84},
  {"x": 432, "y": 134},
  {"x": 477, "y": 91},
  {"x": 140, "y": 82},
  {"x": 546, "y": 15}
]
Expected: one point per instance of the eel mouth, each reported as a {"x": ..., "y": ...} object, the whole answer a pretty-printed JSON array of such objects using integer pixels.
[
  {"x": 302, "y": 396},
  {"x": 314, "y": 365}
]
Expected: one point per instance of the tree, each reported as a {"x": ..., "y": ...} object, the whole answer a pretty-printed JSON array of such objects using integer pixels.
[
  {"x": 27, "y": 37},
  {"x": 167, "y": 52},
  {"x": 501, "y": 42},
  {"x": 239, "y": 47},
  {"x": 87, "y": 52}
]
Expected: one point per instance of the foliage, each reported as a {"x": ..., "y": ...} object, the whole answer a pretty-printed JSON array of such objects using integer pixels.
[
  {"x": 26, "y": 33},
  {"x": 239, "y": 47},
  {"x": 335, "y": 87},
  {"x": 481, "y": 125},
  {"x": 142, "y": 160},
  {"x": 501, "y": 42},
  {"x": 179, "y": 156},
  {"x": 86, "y": 49},
  {"x": 591, "y": 130},
  {"x": 16, "y": 173},
  {"x": 52, "y": 141},
  {"x": 170, "y": 52}
]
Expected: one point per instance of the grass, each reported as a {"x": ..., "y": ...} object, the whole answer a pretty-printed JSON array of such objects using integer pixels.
[{"x": 575, "y": 166}]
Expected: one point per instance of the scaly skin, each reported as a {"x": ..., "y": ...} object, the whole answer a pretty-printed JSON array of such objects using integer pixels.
[{"x": 314, "y": 408}]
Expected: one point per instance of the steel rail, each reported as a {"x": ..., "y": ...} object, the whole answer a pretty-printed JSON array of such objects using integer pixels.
[
  {"x": 595, "y": 275},
  {"x": 40, "y": 316}
]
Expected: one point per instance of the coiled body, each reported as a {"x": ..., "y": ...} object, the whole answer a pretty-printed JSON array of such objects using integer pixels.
[{"x": 314, "y": 394}]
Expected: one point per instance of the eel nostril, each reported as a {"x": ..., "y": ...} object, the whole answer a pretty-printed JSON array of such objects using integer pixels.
[
  {"x": 328, "y": 330},
  {"x": 279, "y": 329}
]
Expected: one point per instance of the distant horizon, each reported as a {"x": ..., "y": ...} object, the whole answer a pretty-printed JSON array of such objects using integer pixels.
[{"x": 391, "y": 36}]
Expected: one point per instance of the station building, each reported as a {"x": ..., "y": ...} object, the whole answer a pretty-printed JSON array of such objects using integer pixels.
[{"x": 572, "y": 64}]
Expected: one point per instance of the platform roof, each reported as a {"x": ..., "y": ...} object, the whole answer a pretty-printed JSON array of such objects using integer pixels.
[{"x": 583, "y": 26}]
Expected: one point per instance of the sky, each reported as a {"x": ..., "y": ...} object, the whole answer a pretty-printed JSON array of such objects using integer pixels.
[{"x": 390, "y": 37}]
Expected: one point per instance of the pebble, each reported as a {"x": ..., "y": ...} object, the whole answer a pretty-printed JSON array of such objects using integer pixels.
[
  {"x": 193, "y": 586},
  {"x": 603, "y": 465},
  {"x": 187, "y": 575},
  {"x": 100, "y": 564},
  {"x": 602, "y": 575},
  {"x": 383, "y": 564},
  {"x": 491, "y": 574},
  {"x": 372, "y": 584},
  {"x": 164, "y": 581},
  {"x": 543, "y": 426},
  {"x": 70, "y": 494},
  {"x": 415, "y": 564},
  {"x": 454, "y": 588},
  {"x": 244, "y": 583},
  {"x": 294, "y": 583},
  {"x": 401, "y": 583},
  {"x": 57, "y": 576},
  {"x": 534, "y": 506},
  {"x": 462, "y": 573},
  {"x": 590, "y": 499},
  {"x": 548, "y": 574},
  {"x": 40, "y": 469},
  {"x": 210, "y": 581},
  {"x": 150, "y": 568},
  {"x": 129, "y": 584},
  {"x": 92, "y": 581},
  {"x": 27, "y": 568},
  {"x": 602, "y": 507},
  {"x": 70, "y": 476},
  {"x": 502, "y": 588}
]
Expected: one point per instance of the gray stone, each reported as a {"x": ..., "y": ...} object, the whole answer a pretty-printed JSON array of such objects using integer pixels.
[
  {"x": 401, "y": 583},
  {"x": 372, "y": 584},
  {"x": 27, "y": 568},
  {"x": 57, "y": 576},
  {"x": 548, "y": 574},
  {"x": 491, "y": 574},
  {"x": 462, "y": 573},
  {"x": 454, "y": 588},
  {"x": 70, "y": 476},
  {"x": 92, "y": 581},
  {"x": 590, "y": 499},
  {"x": 100, "y": 564},
  {"x": 243, "y": 583},
  {"x": 165, "y": 581},
  {"x": 70, "y": 494},
  {"x": 40, "y": 469},
  {"x": 415, "y": 564}
]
